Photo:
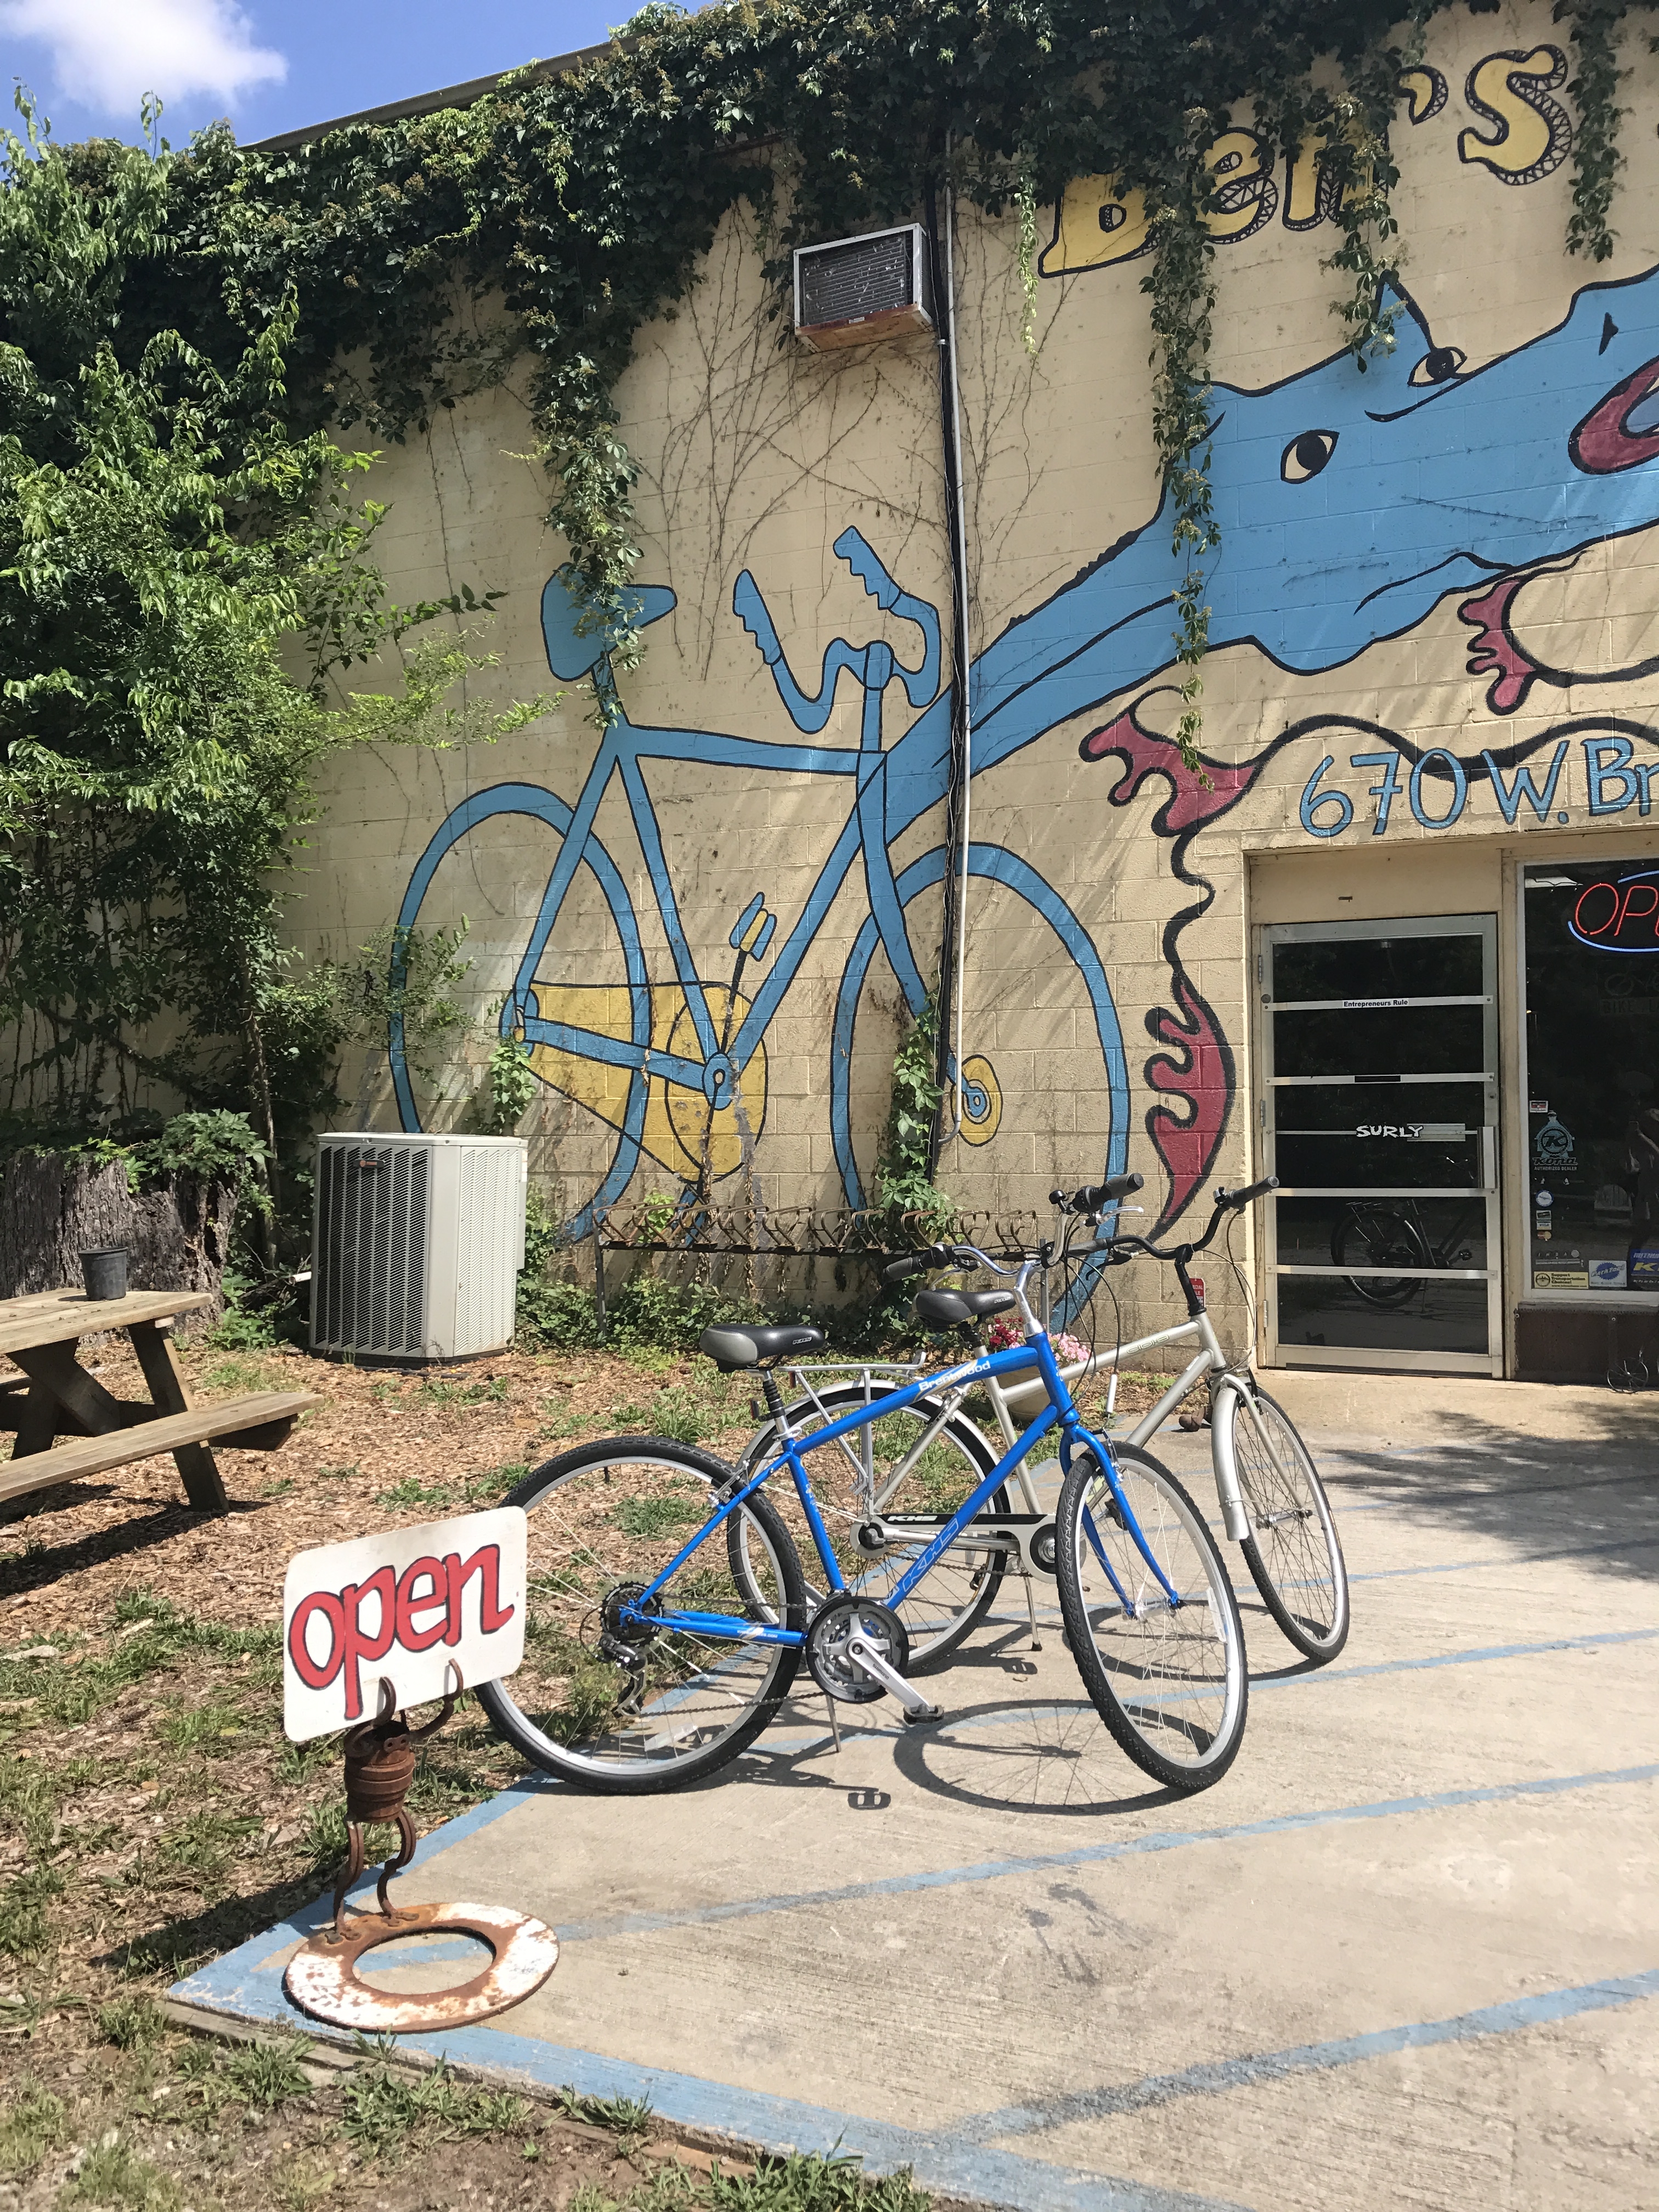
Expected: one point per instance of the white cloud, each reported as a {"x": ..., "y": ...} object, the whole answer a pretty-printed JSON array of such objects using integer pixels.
[{"x": 108, "y": 54}]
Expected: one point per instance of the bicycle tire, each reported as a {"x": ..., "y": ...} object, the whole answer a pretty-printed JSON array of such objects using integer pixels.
[
  {"x": 954, "y": 1597},
  {"x": 624, "y": 1143},
  {"x": 1303, "y": 1580},
  {"x": 611, "y": 1513},
  {"x": 1400, "y": 1241},
  {"x": 1175, "y": 1699}
]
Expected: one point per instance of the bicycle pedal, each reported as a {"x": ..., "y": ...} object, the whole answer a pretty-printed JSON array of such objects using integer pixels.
[{"x": 924, "y": 1717}]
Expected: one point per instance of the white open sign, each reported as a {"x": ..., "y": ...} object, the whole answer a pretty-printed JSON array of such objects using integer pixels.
[{"x": 412, "y": 1605}]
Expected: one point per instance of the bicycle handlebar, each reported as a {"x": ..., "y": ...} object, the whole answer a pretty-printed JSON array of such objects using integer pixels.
[
  {"x": 1093, "y": 1198},
  {"x": 1226, "y": 1201},
  {"x": 936, "y": 1256}
]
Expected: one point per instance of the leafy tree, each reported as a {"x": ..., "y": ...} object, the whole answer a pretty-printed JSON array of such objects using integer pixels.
[{"x": 181, "y": 574}]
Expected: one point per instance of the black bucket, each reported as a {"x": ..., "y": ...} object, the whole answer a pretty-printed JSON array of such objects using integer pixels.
[{"x": 106, "y": 1272}]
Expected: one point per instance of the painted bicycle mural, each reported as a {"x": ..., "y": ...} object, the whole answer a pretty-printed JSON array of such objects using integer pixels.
[
  {"x": 686, "y": 1065},
  {"x": 1351, "y": 504}
]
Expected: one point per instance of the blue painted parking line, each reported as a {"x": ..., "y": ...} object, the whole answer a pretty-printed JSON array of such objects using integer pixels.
[
  {"x": 941, "y": 2159},
  {"x": 1482, "y": 1656},
  {"x": 267, "y": 1954},
  {"x": 1219, "y": 2077},
  {"x": 1511, "y": 1559}
]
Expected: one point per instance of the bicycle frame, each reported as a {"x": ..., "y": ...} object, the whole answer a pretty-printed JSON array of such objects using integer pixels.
[
  {"x": 1060, "y": 1409},
  {"x": 1209, "y": 1359}
]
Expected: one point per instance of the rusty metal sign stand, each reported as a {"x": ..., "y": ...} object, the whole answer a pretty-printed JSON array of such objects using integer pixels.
[{"x": 323, "y": 1977}]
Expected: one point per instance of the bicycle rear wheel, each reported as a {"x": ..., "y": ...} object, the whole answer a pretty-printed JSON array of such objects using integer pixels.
[
  {"x": 1378, "y": 1238},
  {"x": 1169, "y": 1680},
  {"x": 910, "y": 1462},
  {"x": 1294, "y": 1551},
  {"x": 605, "y": 1520}
]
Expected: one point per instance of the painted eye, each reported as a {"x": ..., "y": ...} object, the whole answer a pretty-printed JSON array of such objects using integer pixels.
[
  {"x": 1305, "y": 456},
  {"x": 1438, "y": 364}
]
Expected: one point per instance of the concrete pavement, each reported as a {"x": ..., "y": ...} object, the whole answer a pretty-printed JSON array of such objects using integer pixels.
[{"x": 1406, "y": 1954}]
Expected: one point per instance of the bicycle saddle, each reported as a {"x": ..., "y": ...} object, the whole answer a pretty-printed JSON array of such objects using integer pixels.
[
  {"x": 731, "y": 1348},
  {"x": 943, "y": 1307}
]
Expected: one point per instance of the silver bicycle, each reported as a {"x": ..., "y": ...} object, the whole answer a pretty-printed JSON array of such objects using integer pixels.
[{"x": 886, "y": 1491}]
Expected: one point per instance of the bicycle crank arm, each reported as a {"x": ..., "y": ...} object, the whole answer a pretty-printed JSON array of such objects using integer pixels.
[{"x": 864, "y": 1656}]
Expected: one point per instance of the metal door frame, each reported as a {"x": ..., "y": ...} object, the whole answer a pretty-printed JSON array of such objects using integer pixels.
[{"x": 1275, "y": 1354}]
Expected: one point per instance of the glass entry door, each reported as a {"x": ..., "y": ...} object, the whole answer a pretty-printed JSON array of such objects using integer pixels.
[{"x": 1379, "y": 1115}]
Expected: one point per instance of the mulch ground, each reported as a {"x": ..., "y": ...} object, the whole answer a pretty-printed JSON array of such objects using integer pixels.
[{"x": 152, "y": 1815}]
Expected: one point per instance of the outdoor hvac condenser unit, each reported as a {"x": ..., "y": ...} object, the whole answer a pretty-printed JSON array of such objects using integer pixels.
[
  {"x": 854, "y": 290},
  {"x": 417, "y": 1245}
]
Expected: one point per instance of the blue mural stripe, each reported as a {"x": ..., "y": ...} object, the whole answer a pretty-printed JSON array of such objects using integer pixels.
[
  {"x": 992, "y": 864},
  {"x": 577, "y": 846},
  {"x": 1218, "y": 2077}
]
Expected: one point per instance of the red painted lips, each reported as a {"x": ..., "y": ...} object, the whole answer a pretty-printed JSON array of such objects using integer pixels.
[{"x": 1622, "y": 429}]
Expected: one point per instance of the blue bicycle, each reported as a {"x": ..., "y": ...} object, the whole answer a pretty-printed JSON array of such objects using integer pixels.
[{"x": 669, "y": 1614}]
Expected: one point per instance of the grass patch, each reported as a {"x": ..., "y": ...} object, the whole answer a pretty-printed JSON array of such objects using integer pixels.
[
  {"x": 71, "y": 1687},
  {"x": 438, "y": 1392},
  {"x": 32, "y": 2124},
  {"x": 686, "y": 1414},
  {"x": 25, "y": 1929},
  {"x": 208, "y": 1730},
  {"x": 628, "y": 2117},
  {"x": 469, "y": 1492},
  {"x": 239, "y": 1372},
  {"x": 651, "y": 1516},
  {"x": 130, "y": 2023},
  {"x": 386, "y": 2111},
  {"x": 111, "y": 2175},
  {"x": 798, "y": 2184},
  {"x": 202, "y": 1845}
]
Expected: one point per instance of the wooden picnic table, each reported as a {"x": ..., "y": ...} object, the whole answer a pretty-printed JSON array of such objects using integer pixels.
[{"x": 56, "y": 1396}]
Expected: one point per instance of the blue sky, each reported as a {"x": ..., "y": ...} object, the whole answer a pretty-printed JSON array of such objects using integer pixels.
[{"x": 269, "y": 65}]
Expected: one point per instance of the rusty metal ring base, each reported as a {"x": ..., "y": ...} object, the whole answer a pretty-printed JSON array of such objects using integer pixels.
[{"x": 322, "y": 1977}]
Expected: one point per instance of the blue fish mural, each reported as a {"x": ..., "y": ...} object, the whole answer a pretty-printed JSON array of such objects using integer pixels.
[{"x": 1350, "y": 503}]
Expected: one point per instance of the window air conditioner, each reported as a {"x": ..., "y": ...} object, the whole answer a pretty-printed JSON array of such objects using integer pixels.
[
  {"x": 417, "y": 1244},
  {"x": 855, "y": 290}
]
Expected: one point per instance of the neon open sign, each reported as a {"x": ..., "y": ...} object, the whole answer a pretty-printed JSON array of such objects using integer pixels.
[{"x": 1619, "y": 917}]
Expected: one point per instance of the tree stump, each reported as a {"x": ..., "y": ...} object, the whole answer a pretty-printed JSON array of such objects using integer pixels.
[{"x": 53, "y": 1208}]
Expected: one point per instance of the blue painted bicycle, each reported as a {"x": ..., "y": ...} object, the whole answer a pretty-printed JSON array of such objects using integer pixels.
[
  {"x": 673, "y": 1066},
  {"x": 669, "y": 1614}
]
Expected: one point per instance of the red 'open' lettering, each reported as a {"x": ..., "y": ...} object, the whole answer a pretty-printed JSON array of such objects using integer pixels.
[
  {"x": 486, "y": 1563},
  {"x": 1589, "y": 891},
  {"x": 1630, "y": 912},
  {"x": 434, "y": 1598},
  {"x": 355, "y": 1646},
  {"x": 315, "y": 1674}
]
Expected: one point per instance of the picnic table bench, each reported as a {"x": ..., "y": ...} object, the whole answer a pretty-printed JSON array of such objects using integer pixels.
[{"x": 56, "y": 1396}]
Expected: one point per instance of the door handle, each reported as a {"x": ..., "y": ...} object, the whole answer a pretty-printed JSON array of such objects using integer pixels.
[{"x": 1488, "y": 1157}]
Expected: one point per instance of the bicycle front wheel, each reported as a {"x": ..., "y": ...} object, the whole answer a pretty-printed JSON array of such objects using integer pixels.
[
  {"x": 610, "y": 1704},
  {"x": 919, "y": 1459},
  {"x": 1292, "y": 1550},
  {"x": 1168, "y": 1678}
]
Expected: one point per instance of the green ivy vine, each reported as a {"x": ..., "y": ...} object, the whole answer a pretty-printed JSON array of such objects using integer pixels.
[{"x": 553, "y": 218}]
